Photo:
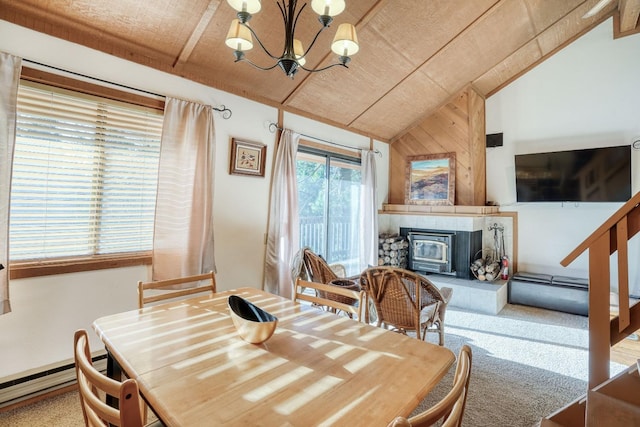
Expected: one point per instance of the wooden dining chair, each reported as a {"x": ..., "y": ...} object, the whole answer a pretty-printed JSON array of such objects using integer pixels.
[
  {"x": 173, "y": 288},
  {"x": 92, "y": 385},
  {"x": 451, "y": 408},
  {"x": 406, "y": 301},
  {"x": 333, "y": 297}
]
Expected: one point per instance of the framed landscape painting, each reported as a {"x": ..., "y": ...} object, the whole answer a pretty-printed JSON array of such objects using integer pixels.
[
  {"x": 430, "y": 179},
  {"x": 247, "y": 158}
]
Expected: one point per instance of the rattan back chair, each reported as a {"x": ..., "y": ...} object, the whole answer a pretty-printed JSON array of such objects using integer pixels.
[
  {"x": 174, "y": 288},
  {"x": 406, "y": 301},
  {"x": 451, "y": 408},
  {"x": 92, "y": 384},
  {"x": 316, "y": 268},
  {"x": 335, "y": 298},
  {"x": 310, "y": 266}
]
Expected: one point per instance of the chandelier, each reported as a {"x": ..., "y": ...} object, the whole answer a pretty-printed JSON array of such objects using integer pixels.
[{"x": 240, "y": 36}]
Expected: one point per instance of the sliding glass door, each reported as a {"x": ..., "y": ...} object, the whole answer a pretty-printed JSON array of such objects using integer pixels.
[{"x": 329, "y": 197}]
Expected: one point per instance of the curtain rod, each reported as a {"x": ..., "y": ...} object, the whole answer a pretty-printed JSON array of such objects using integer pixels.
[
  {"x": 273, "y": 127},
  {"x": 226, "y": 113}
]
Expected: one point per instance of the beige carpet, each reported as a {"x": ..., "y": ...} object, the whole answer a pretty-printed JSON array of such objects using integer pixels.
[
  {"x": 527, "y": 362},
  {"x": 59, "y": 411}
]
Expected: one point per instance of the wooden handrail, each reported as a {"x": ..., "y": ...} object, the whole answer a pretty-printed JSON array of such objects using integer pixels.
[
  {"x": 613, "y": 235},
  {"x": 605, "y": 227}
]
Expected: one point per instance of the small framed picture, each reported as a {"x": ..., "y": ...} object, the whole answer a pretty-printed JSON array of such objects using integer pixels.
[{"x": 247, "y": 158}]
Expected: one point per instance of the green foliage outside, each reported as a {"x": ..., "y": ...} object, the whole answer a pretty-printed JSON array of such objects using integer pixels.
[
  {"x": 312, "y": 184},
  {"x": 330, "y": 232}
]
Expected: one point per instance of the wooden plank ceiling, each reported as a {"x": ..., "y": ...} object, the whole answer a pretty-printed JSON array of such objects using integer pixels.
[{"x": 415, "y": 55}]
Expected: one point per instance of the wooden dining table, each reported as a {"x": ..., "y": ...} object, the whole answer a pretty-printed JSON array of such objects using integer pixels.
[{"x": 318, "y": 368}]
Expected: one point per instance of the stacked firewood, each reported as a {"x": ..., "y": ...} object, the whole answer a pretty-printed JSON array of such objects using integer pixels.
[{"x": 393, "y": 250}]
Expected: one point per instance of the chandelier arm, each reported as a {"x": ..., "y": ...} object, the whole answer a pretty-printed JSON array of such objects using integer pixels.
[
  {"x": 256, "y": 65},
  {"x": 315, "y": 70},
  {"x": 283, "y": 12},
  {"x": 295, "y": 21},
  {"x": 314, "y": 40},
  {"x": 290, "y": 19},
  {"x": 289, "y": 61},
  {"x": 260, "y": 42}
]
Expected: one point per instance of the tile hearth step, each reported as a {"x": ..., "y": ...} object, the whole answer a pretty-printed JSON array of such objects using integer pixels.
[{"x": 473, "y": 295}]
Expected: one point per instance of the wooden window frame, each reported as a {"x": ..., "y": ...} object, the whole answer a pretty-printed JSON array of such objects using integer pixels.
[{"x": 26, "y": 269}]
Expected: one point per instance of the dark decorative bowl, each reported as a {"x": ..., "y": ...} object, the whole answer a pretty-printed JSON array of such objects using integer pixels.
[{"x": 253, "y": 324}]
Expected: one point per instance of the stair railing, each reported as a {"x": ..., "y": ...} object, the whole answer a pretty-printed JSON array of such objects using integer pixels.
[{"x": 604, "y": 330}]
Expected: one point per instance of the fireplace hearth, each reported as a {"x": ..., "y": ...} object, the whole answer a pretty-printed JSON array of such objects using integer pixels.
[{"x": 446, "y": 252}]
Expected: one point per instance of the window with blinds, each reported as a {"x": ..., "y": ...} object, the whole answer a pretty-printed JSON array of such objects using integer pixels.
[{"x": 84, "y": 175}]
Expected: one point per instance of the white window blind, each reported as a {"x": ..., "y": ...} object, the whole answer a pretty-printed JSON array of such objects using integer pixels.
[{"x": 84, "y": 175}]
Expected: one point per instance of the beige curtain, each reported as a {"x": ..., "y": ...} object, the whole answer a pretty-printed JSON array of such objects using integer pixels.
[
  {"x": 283, "y": 237},
  {"x": 10, "y": 67},
  {"x": 368, "y": 212},
  {"x": 183, "y": 229}
]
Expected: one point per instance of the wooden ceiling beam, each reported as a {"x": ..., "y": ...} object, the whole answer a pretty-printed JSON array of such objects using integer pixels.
[
  {"x": 188, "y": 47},
  {"x": 629, "y": 13}
]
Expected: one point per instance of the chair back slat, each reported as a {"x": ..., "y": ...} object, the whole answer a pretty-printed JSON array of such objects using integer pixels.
[
  {"x": 327, "y": 290},
  {"x": 175, "y": 288},
  {"x": 455, "y": 417},
  {"x": 451, "y": 408},
  {"x": 92, "y": 384}
]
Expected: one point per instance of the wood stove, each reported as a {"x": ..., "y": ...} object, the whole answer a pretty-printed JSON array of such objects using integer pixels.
[
  {"x": 448, "y": 252},
  {"x": 431, "y": 252}
]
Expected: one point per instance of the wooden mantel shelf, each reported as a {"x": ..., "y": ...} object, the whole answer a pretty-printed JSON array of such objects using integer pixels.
[{"x": 439, "y": 210}]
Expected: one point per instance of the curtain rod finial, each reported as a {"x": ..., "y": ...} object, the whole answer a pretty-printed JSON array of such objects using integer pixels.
[
  {"x": 273, "y": 127},
  {"x": 226, "y": 113}
]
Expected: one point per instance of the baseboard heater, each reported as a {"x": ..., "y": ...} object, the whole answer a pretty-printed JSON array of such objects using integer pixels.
[
  {"x": 45, "y": 381},
  {"x": 559, "y": 293}
]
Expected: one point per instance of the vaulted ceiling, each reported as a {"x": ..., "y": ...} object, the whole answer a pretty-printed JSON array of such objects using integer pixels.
[{"x": 415, "y": 55}]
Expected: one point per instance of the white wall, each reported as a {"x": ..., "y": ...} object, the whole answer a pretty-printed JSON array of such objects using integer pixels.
[
  {"x": 584, "y": 96},
  {"x": 46, "y": 310}
]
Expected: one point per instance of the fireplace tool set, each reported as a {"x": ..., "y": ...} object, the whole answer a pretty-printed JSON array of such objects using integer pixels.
[{"x": 492, "y": 264}]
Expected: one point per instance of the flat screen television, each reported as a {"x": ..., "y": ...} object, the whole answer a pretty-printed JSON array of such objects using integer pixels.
[{"x": 589, "y": 175}]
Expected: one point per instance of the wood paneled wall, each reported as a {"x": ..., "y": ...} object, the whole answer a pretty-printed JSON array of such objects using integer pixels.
[{"x": 459, "y": 127}]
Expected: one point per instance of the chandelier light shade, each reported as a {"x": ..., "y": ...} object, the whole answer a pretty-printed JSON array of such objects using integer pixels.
[
  {"x": 298, "y": 50},
  {"x": 328, "y": 7},
  {"x": 249, "y": 6},
  {"x": 345, "y": 42},
  {"x": 240, "y": 36}
]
